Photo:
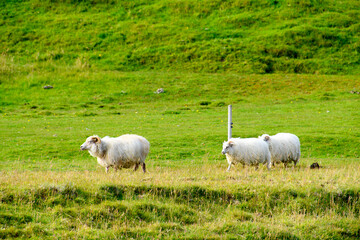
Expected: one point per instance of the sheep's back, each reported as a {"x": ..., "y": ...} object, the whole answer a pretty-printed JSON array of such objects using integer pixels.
[
  {"x": 128, "y": 147},
  {"x": 250, "y": 150},
  {"x": 285, "y": 146}
]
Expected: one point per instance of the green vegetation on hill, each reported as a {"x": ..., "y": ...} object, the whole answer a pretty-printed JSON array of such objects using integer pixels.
[{"x": 244, "y": 36}]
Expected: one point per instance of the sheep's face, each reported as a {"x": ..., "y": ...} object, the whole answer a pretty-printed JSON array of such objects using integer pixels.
[
  {"x": 227, "y": 147},
  {"x": 90, "y": 143},
  {"x": 265, "y": 137}
]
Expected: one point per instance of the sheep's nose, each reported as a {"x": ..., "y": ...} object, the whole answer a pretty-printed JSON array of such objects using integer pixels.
[
  {"x": 223, "y": 152},
  {"x": 82, "y": 147}
]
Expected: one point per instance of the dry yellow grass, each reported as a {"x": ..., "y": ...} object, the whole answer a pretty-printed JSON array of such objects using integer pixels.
[
  {"x": 186, "y": 201},
  {"x": 340, "y": 173}
]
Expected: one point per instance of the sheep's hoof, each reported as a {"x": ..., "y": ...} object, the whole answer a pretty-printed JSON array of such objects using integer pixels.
[
  {"x": 143, "y": 167},
  {"x": 136, "y": 167}
]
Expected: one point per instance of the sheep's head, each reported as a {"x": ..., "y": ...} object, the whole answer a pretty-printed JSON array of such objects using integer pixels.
[
  {"x": 265, "y": 137},
  {"x": 227, "y": 147},
  {"x": 90, "y": 143}
]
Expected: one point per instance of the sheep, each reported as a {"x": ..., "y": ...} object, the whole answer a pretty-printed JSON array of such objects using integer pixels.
[
  {"x": 284, "y": 147},
  {"x": 121, "y": 152},
  {"x": 247, "y": 151}
]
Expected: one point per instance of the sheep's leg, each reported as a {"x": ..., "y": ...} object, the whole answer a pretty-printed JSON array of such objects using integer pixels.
[
  {"x": 136, "y": 167},
  {"x": 256, "y": 166},
  {"x": 285, "y": 164},
  {"x": 269, "y": 165},
  {"x": 273, "y": 164},
  {"x": 143, "y": 167},
  {"x": 107, "y": 169},
  {"x": 229, "y": 168}
]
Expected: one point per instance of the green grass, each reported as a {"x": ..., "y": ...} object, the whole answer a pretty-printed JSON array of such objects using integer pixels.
[
  {"x": 106, "y": 59},
  {"x": 320, "y": 110},
  {"x": 49, "y": 189},
  {"x": 262, "y": 36}
]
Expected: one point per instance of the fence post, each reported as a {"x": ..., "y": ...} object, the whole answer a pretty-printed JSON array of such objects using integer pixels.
[{"x": 229, "y": 121}]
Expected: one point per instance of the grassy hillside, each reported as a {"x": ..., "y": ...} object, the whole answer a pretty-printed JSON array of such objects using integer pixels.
[{"x": 244, "y": 36}]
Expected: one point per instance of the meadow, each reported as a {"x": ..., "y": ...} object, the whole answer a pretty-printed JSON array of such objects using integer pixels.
[
  {"x": 49, "y": 189},
  {"x": 106, "y": 60}
]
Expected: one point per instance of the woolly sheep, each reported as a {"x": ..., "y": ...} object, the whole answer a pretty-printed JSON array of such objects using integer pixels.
[
  {"x": 247, "y": 151},
  {"x": 121, "y": 152},
  {"x": 284, "y": 147}
]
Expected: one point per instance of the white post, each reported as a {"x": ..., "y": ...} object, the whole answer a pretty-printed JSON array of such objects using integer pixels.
[{"x": 229, "y": 121}]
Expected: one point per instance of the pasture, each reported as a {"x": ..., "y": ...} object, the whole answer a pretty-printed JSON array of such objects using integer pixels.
[
  {"x": 49, "y": 189},
  {"x": 284, "y": 66}
]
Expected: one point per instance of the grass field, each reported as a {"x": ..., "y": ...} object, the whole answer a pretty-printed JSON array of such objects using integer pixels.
[
  {"x": 49, "y": 189},
  {"x": 105, "y": 60}
]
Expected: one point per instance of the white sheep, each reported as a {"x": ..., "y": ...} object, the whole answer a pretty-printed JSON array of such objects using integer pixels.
[
  {"x": 247, "y": 151},
  {"x": 121, "y": 152},
  {"x": 284, "y": 147}
]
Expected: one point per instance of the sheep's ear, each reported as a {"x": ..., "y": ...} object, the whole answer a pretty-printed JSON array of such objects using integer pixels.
[
  {"x": 96, "y": 139},
  {"x": 267, "y": 138},
  {"x": 231, "y": 143}
]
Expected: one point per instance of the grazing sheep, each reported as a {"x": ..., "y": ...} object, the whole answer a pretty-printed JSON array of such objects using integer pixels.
[
  {"x": 284, "y": 147},
  {"x": 247, "y": 151},
  {"x": 121, "y": 152}
]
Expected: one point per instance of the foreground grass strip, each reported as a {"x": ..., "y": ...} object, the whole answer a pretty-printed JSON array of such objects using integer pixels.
[{"x": 184, "y": 203}]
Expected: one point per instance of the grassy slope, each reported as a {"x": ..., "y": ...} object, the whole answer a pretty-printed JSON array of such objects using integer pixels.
[
  {"x": 49, "y": 189},
  {"x": 261, "y": 36}
]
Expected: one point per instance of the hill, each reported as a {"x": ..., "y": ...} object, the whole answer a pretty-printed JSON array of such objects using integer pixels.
[{"x": 243, "y": 36}]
